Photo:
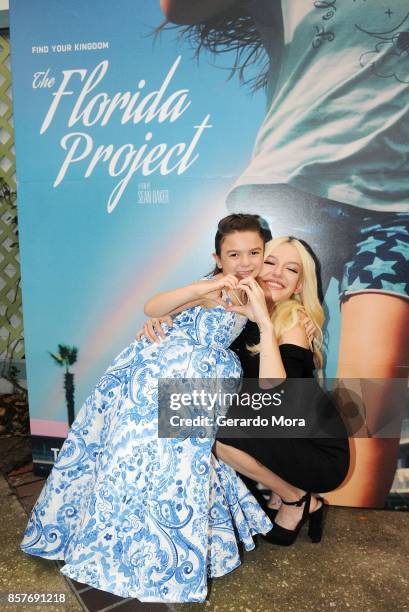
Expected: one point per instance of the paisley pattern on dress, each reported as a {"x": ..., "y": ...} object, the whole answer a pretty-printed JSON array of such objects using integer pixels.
[{"x": 134, "y": 514}]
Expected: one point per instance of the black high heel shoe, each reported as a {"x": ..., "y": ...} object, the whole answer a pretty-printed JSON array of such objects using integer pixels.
[
  {"x": 286, "y": 537},
  {"x": 315, "y": 523}
]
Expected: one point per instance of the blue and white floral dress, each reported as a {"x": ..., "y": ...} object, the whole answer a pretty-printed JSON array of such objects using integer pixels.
[{"x": 134, "y": 514}]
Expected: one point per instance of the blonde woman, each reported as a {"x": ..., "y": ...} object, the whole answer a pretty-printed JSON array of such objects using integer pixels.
[{"x": 293, "y": 469}]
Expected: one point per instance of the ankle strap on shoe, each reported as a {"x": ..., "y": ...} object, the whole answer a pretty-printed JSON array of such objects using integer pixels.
[{"x": 299, "y": 502}]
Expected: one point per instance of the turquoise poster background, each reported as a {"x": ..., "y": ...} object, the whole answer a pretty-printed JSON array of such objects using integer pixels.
[{"x": 84, "y": 89}]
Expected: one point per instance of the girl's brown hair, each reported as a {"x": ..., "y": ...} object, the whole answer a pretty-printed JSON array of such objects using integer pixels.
[{"x": 239, "y": 222}]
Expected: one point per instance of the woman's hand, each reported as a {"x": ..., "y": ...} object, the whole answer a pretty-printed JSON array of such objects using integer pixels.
[
  {"x": 256, "y": 308},
  {"x": 153, "y": 330}
]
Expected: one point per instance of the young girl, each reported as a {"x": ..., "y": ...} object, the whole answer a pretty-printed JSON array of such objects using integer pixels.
[{"x": 142, "y": 516}]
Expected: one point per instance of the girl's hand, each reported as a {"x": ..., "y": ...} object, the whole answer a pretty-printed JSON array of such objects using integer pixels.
[
  {"x": 195, "y": 294},
  {"x": 152, "y": 329},
  {"x": 309, "y": 328},
  {"x": 228, "y": 281},
  {"x": 256, "y": 307}
]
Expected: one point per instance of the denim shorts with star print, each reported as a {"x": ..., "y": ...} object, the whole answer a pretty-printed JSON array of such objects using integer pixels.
[
  {"x": 363, "y": 250},
  {"x": 380, "y": 259}
]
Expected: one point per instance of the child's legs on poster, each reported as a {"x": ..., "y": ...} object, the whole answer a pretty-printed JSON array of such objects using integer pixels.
[{"x": 374, "y": 345}]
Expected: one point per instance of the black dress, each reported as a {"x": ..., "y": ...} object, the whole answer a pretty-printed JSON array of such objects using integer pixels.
[{"x": 316, "y": 464}]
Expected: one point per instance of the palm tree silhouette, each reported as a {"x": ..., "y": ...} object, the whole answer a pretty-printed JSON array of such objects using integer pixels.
[{"x": 66, "y": 357}]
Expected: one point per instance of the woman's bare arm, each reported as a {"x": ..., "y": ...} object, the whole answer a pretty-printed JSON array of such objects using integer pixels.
[
  {"x": 271, "y": 364},
  {"x": 190, "y": 12},
  {"x": 296, "y": 335}
]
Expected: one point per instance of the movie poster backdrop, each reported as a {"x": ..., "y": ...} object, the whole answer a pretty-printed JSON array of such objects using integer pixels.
[{"x": 130, "y": 148}]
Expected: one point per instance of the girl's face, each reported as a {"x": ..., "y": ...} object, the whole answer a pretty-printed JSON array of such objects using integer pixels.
[
  {"x": 282, "y": 272},
  {"x": 241, "y": 254}
]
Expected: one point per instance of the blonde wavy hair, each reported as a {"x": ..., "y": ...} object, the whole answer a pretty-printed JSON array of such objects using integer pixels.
[{"x": 285, "y": 315}]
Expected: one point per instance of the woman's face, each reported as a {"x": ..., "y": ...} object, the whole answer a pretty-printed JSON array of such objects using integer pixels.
[
  {"x": 282, "y": 272},
  {"x": 241, "y": 254}
]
